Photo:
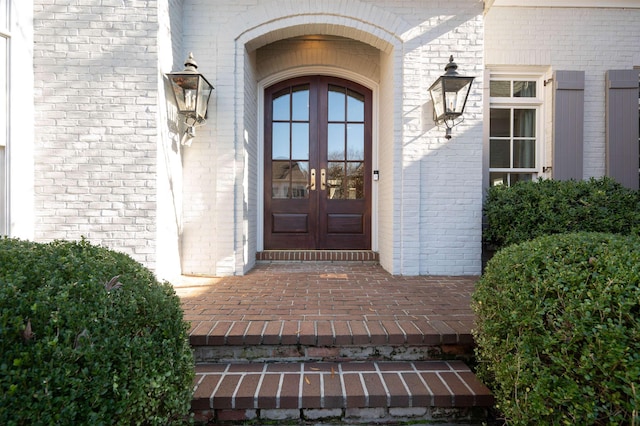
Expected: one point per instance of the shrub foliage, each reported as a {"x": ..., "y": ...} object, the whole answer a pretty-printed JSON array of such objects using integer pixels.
[
  {"x": 558, "y": 329},
  {"x": 88, "y": 336},
  {"x": 531, "y": 209}
]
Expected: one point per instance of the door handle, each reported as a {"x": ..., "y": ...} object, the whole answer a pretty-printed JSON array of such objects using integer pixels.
[
  {"x": 323, "y": 179},
  {"x": 312, "y": 184}
]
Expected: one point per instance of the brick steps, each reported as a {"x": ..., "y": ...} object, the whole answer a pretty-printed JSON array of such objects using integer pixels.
[
  {"x": 418, "y": 390},
  {"x": 338, "y": 338},
  {"x": 304, "y": 342}
]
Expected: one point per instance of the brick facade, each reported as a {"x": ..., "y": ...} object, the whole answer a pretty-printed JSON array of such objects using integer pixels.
[{"x": 107, "y": 161}]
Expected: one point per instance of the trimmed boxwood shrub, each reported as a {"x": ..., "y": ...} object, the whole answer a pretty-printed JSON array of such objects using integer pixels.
[
  {"x": 531, "y": 209},
  {"x": 88, "y": 336},
  {"x": 558, "y": 329}
]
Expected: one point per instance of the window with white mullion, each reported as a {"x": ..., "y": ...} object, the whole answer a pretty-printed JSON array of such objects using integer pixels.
[{"x": 513, "y": 130}]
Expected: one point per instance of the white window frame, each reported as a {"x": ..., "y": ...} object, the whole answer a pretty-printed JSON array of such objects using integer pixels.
[{"x": 511, "y": 103}]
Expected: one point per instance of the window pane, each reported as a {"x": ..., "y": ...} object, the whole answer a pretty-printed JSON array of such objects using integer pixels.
[
  {"x": 335, "y": 142},
  {"x": 299, "y": 179},
  {"x": 336, "y": 104},
  {"x": 280, "y": 141},
  {"x": 299, "y": 141},
  {"x": 355, "y": 106},
  {"x": 524, "y": 154},
  {"x": 355, "y": 142},
  {"x": 500, "y": 89},
  {"x": 499, "y": 153},
  {"x": 498, "y": 178},
  {"x": 281, "y": 104},
  {"x": 524, "y": 123},
  {"x": 500, "y": 122},
  {"x": 300, "y": 109},
  {"x": 524, "y": 89},
  {"x": 520, "y": 177},
  {"x": 335, "y": 179},
  {"x": 280, "y": 175}
]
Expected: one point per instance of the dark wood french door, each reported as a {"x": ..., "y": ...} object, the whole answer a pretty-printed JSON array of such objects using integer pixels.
[{"x": 317, "y": 167}]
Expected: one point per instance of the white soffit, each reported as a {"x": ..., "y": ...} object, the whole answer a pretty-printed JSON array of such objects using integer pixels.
[{"x": 564, "y": 3}]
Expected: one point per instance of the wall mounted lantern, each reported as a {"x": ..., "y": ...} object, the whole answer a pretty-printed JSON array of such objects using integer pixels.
[
  {"x": 449, "y": 95},
  {"x": 191, "y": 91}
]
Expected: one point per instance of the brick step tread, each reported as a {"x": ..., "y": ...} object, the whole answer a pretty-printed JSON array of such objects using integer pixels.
[
  {"x": 330, "y": 332},
  {"x": 444, "y": 384}
]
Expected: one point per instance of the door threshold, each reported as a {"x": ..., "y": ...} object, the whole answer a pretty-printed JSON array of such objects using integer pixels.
[{"x": 363, "y": 256}]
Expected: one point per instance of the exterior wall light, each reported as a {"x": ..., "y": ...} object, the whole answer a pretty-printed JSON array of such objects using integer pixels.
[
  {"x": 449, "y": 95},
  {"x": 192, "y": 92}
]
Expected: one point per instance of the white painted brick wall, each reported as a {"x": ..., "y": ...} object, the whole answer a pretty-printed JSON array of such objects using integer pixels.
[
  {"x": 96, "y": 97},
  {"x": 593, "y": 40},
  {"x": 415, "y": 39}
]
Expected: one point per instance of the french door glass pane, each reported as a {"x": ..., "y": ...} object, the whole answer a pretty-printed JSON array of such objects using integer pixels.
[
  {"x": 300, "y": 103},
  {"x": 355, "y": 183},
  {"x": 281, "y": 106},
  {"x": 280, "y": 141},
  {"x": 499, "y": 153},
  {"x": 299, "y": 179},
  {"x": 337, "y": 103},
  {"x": 299, "y": 141},
  {"x": 355, "y": 142},
  {"x": 281, "y": 172},
  {"x": 335, "y": 141},
  {"x": 355, "y": 106},
  {"x": 335, "y": 180}
]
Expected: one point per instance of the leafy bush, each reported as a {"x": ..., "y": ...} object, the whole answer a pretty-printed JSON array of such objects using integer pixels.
[
  {"x": 88, "y": 336},
  {"x": 558, "y": 329},
  {"x": 531, "y": 209}
]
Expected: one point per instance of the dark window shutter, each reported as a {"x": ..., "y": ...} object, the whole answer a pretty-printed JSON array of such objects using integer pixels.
[
  {"x": 622, "y": 126},
  {"x": 568, "y": 124}
]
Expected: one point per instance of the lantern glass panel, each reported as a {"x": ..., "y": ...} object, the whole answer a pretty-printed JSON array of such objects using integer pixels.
[
  {"x": 185, "y": 89},
  {"x": 437, "y": 96},
  {"x": 455, "y": 94},
  {"x": 204, "y": 91}
]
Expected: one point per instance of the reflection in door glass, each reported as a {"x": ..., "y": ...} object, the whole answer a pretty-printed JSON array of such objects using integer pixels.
[
  {"x": 335, "y": 141},
  {"x": 345, "y": 144},
  {"x": 355, "y": 142},
  {"x": 289, "y": 180},
  {"x": 290, "y": 143}
]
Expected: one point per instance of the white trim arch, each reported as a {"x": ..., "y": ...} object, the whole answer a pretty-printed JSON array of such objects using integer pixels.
[{"x": 315, "y": 70}]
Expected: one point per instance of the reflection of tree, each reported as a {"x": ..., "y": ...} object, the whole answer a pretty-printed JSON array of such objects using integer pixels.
[
  {"x": 346, "y": 180},
  {"x": 289, "y": 180}
]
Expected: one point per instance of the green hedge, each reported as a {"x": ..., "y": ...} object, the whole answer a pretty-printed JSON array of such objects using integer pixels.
[
  {"x": 531, "y": 209},
  {"x": 88, "y": 336},
  {"x": 558, "y": 329}
]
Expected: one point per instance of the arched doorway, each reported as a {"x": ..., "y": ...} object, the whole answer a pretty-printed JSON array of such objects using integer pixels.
[{"x": 317, "y": 164}]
